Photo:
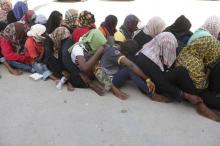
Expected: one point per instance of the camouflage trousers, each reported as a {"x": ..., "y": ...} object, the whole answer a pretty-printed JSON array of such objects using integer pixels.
[{"x": 103, "y": 78}]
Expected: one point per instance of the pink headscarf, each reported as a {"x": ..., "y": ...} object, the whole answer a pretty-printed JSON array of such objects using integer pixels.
[
  {"x": 161, "y": 50},
  {"x": 212, "y": 25}
]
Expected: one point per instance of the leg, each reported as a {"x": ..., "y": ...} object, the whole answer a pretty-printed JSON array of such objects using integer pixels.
[{"x": 22, "y": 66}]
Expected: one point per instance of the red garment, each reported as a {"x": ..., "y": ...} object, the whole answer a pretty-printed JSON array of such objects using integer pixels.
[
  {"x": 79, "y": 32},
  {"x": 8, "y": 51},
  {"x": 32, "y": 50}
]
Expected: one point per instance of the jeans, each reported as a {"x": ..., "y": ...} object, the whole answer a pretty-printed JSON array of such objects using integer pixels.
[
  {"x": 124, "y": 74},
  {"x": 22, "y": 66}
]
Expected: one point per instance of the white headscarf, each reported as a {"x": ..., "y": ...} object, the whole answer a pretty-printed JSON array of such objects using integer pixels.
[
  {"x": 154, "y": 26},
  {"x": 212, "y": 25},
  {"x": 36, "y": 32},
  {"x": 161, "y": 50}
]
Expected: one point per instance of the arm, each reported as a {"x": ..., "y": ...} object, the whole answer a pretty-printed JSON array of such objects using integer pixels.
[
  {"x": 86, "y": 66},
  {"x": 136, "y": 70}
]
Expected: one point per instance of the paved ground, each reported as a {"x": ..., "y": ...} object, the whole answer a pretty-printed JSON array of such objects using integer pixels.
[{"x": 35, "y": 113}]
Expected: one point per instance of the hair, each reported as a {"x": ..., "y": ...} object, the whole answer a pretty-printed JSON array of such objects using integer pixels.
[
  {"x": 54, "y": 21},
  {"x": 129, "y": 48}
]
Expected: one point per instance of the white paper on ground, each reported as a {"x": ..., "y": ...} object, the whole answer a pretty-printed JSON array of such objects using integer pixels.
[{"x": 36, "y": 76}]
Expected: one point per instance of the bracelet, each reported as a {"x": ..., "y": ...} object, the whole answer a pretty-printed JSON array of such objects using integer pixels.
[
  {"x": 119, "y": 59},
  {"x": 147, "y": 80}
]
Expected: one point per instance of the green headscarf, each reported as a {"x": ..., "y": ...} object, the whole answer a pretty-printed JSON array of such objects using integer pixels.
[{"x": 94, "y": 39}]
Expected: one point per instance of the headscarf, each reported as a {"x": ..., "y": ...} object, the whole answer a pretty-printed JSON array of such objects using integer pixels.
[
  {"x": 5, "y": 7},
  {"x": 70, "y": 20},
  {"x": 129, "y": 26},
  {"x": 20, "y": 9},
  {"x": 36, "y": 32},
  {"x": 54, "y": 21},
  {"x": 154, "y": 26},
  {"x": 40, "y": 19},
  {"x": 161, "y": 50},
  {"x": 28, "y": 19},
  {"x": 212, "y": 24},
  {"x": 110, "y": 24},
  {"x": 86, "y": 19},
  {"x": 57, "y": 36},
  {"x": 13, "y": 32},
  {"x": 182, "y": 25},
  {"x": 95, "y": 39}
]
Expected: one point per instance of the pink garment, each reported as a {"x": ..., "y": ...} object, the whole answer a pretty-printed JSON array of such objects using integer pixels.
[{"x": 161, "y": 50}]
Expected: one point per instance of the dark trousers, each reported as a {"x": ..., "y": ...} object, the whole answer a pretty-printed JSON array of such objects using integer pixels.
[
  {"x": 75, "y": 78},
  {"x": 170, "y": 83},
  {"x": 125, "y": 74}
]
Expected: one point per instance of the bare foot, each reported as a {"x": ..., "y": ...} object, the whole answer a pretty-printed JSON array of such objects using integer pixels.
[
  {"x": 160, "y": 98},
  {"x": 203, "y": 110},
  {"x": 118, "y": 93},
  {"x": 15, "y": 72},
  {"x": 70, "y": 87},
  {"x": 193, "y": 98},
  {"x": 96, "y": 88}
]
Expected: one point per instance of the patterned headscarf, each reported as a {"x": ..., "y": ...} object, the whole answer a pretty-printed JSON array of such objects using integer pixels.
[
  {"x": 5, "y": 7},
  {"x": 19, "y": 9},
  {"x": 212, "y": 24},
  {"x": 86, "y": 19},
  {"x": 110, "y": 24},
  {"x": 71, "y": 19},
  {"x": 57, "y": 36},
  {"x": 27, "y": 19},
  {"x": 161, "y": 50},
  {"x": 154, "y": 26},
  {"x": 12, "y": 32},
  {"x": 129, "y": 26}
]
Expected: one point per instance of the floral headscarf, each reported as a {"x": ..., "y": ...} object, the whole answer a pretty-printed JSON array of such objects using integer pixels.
[
  {"x": 14, "y": 32},
  {"x": 71, "y": 19},
  {"x": 5, "y": 7},
  {"x": 161, "y": 50},
  {"x": 86, "y": 19},
  {"x": 57, "y": 36},
  {"x": 28, "y": 19}
]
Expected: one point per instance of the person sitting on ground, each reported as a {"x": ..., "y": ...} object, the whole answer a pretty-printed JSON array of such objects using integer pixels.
[
  {"x": 71, "y": 20},
  {"x": 86, "y": 22},
  {"x": 154, "y": 26},
  {"x": 129, "y": 26},
  {"x": 34, "y": 50},
  {"x": 108, "y": 28},
  {"x": 54, "y": 21},
  {"x": 156, "y": 59},
  {"x": 28, "y": 19},
  {"x": 85, "y": 55},
  {"x": 20, "y": 8},
  {"x": 181, "y": 30},
  {"x": 11, "y": 49},
  {"x": 119, "y": 69},
  {"x": 200, "y": 57}
]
